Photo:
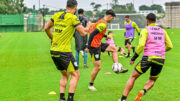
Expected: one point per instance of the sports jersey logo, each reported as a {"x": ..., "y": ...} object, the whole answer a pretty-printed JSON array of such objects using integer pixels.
[
  {"x": 77, "y": 19},
  {"x": 97, "y": 56},
  {"x": 75, "y": 64}
]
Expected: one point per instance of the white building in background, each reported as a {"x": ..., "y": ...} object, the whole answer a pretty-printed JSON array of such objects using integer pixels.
[
  {"x": 148, "y": 11},
  {"x": 172, "y": 14}
]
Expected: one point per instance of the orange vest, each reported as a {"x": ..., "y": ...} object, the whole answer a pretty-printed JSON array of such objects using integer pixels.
[{"x": 96, "y": 42}]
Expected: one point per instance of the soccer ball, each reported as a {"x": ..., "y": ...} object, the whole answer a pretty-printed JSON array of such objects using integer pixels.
[{"x": 117, "y": 67}]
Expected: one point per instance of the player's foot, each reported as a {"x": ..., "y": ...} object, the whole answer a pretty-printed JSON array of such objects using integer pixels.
[
  {"x": 140, "y": 94},
  {"x": 85, "y": 66},
  {"x": 127, "y": 56},
  {"x": 124, "y": 70},
  {"x": 120, "y": 55},
  {"x": 121, "y": 100},
  {"x": 92, "y": 88}
]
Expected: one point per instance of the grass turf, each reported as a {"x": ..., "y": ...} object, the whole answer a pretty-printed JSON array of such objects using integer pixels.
[{"x": 27, "y": 72}]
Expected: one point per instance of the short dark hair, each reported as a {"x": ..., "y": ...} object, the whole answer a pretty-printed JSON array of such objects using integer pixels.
[
  {"x": 110, "y": 12},
  {"x": 71, "y": 3},
  {"x": 151, "y": 17},
  {"x": 127, "y": 16},
  {"x": 110, "y": 32},
  {"x": 80, "y": 11}
]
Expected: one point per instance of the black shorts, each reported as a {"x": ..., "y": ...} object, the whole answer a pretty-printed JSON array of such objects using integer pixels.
[
  {"x": 96, "y": 52},
  {"x": 129, "y": 41},
  {"x": 64, "y": 61},
  {"x": 156, "y": 65}
]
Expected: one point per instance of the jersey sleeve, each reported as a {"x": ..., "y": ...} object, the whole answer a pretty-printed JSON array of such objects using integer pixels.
[
  {"x": 54, "y": 17},
  {"x": 101, "y": 27},
  {"x": 168, "y": 42},
  {"x": 75, "y": 21},
  {"x": 136, "y": 27},
  {"x": 124, "y": 27},
  {"x": 142, "y": 41}
]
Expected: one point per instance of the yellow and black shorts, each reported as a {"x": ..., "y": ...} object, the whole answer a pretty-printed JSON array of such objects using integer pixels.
[
  {"x": 156, "y": 65},
  {"x": 96, "y": 52},
  {"x": 64, "y": 61}
]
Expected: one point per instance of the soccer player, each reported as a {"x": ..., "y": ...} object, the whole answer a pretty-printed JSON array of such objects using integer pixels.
[
  {"x": 81, "y": 41},
  {"x": 130, "y": 27},
  {"x": 65, "y": 24},
  {"x": 97, "y": 32},
  {"x": 155, "y": 42}
]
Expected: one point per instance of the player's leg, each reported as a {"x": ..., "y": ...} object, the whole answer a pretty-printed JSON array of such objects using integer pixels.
[
  {"x": 156, "y": 68},
  {"x": 114, "y": 50},
  {"x": 85, "y": 59},
  {"x": 63, "y": 84},
  {"x": 77, "y": 57},
  {"x": 97, "y": 68},
  {"x": 74, "y": 72},
  {"x": 140, "y": 68},
  {"x": 73, "y": 84},
  {"x": 60, "y": 60},
  {"x": 129, "y": 84}
]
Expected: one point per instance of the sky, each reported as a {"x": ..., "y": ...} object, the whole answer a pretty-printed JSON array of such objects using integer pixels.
[{"x": 85, "y": 4}]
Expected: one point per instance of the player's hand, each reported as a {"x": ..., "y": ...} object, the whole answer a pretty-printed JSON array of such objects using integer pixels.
[
  {"x": 132, "y": 62},
  {"x": 86, "y": 50},
  {"x": 89, "y": 24}
]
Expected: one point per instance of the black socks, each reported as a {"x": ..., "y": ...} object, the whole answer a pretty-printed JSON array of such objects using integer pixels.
[
  {"x": 91, "y": 84},
  {"x": 123, "y": 97},
  {"x": 62, "y": 96},
  {"x": 71, "y": 97}
]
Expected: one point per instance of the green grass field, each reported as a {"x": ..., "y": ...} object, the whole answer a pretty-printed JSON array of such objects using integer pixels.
[{"x": 27, "y": 72}]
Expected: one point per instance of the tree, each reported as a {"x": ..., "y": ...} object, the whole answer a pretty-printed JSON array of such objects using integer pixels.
[
  {"x": 11, "y": 6},
  {"x": 159, "y": 8},
  {"x": 95, "y": 6},
  {"x": 144, "y": 7}
]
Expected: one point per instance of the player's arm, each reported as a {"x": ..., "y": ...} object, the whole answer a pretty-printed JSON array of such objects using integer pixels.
[
  {"x": 136, "y": 27},
  {"x": 168, "y": 42},
  {"x": 142, "y": 42},
  {"x": 48, "y": 27},
  {"x": 83, "y": 30},
  {"x": 124, "y": 29},
  {"x": 80, "y": 28}
]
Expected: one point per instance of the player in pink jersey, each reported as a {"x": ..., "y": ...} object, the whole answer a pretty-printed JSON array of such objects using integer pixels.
[
  {"x": 155, "y": 42},
  {"x": 111, "y": 42}
]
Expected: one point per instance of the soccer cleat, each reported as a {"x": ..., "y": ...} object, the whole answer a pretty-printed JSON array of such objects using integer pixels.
[
  {"x": 124, "y": 70},
  {"x": 121, "y": 100},
  {"x": 140, "y": 94},
  {"x": 120, "y": 55},
  {"x": 92, "y": 88}
]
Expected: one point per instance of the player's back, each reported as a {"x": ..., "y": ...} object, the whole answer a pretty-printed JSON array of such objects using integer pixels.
[{"x": 64, "y": 28}]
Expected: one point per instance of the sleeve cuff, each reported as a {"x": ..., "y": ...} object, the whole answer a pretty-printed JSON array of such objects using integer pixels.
[
  {"x": 77, "y": 24},
  {"x": 134, "y": 57}
]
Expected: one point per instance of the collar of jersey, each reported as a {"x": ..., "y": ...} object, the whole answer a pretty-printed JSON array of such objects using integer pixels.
[{"x": 153, "y": 24}]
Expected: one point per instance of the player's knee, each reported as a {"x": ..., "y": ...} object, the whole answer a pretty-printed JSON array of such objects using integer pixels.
[{"x": 98, "y": 67}]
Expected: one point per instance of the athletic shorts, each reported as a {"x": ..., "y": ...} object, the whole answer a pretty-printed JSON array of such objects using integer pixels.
[
  {"x": 64, "y": 61},
  {"x": 156, "y": 65},
  {"x": 128, "y": 41},
  {"x": 96, "y": 52}
]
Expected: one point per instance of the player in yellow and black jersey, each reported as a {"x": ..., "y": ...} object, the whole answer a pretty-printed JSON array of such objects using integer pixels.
[{"x": 65, "y": 24}]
